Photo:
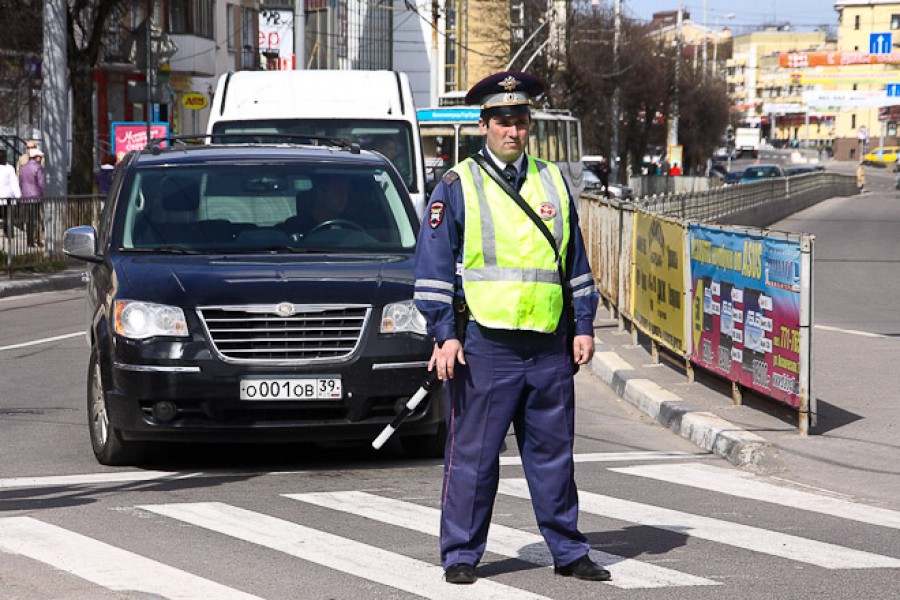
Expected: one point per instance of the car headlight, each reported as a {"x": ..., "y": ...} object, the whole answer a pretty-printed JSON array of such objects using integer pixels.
[
  {"x": 402, "y": 317},
  {"x": 139, "y": 320}
]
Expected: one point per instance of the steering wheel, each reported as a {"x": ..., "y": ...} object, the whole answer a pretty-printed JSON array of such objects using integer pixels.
[{"x": 336, "y": 224}]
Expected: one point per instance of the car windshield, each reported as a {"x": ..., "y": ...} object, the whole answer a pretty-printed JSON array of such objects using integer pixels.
[
  {"x": 392, "y": 138},
  {"x": 255, "y": 207}
]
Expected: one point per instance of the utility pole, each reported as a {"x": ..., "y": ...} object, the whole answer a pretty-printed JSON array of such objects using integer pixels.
[
  {"x": 54, "y": 98},
  {"x": 435, "y": 62},
  {"x": 705, "y": 38},
  {"x": 148, "y": 30},
  {"x": 673, "y": 113},
  {"x": 614, "y": 141},
  {"x": 299, "y": 34}
]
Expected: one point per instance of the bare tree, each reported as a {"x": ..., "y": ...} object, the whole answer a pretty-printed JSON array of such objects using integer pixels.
[
  {"x": 86, "y": 25},
  {"x": 20, "y": 53}
]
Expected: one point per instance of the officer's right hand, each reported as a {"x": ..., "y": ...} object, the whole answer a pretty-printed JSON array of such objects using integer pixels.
[{"x": 445, "y": 358}]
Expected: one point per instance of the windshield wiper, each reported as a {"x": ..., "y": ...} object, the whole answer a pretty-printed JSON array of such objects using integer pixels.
[{"x": 165, "y": 250}]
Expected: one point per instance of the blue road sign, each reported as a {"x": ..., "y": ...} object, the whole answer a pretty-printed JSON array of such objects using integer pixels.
[
  {"x": 880, "y": 43},
  {"x": 893, "y": 89}
]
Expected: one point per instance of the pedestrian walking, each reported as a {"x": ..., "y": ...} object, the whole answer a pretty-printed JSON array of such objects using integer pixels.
[
  {"x": 504, "y": 284},
  {"x": 104, "y": 175},
  {"x": 861, "y": 178},
  {"x": 9, "y": 191},
  {"x": 31, "y": 181},
  {"x": 25, "y": 157},
  {"x": 675, "y": 170}
]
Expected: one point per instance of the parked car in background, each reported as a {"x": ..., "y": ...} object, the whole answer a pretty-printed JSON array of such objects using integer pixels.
[
  {"x": 254, "y": 293},
  {"x": 732, "y": 177},
  {"x": 882, "y": 157},
  {"x": 757, "y": 172},
  {"x": 791, "y": 171},
  {"x": 592, "y": 184}
]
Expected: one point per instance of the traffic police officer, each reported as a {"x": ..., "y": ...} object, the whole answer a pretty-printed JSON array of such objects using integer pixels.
[{"x": 488, "y": 284}]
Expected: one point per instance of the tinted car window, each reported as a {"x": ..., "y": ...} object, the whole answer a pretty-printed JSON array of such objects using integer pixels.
[
  {"x": 240, "y": 208},
  {"x": 391, "y": 138}
]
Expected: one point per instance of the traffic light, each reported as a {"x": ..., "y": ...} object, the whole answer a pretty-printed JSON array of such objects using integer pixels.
[{"x": 729, "y": 134}]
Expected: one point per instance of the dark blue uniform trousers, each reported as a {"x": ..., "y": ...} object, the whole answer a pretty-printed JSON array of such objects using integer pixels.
[{"x": 523, "y": 378}]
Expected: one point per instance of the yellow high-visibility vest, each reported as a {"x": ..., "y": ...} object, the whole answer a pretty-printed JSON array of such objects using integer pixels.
[{"x": 509, "y": 271}]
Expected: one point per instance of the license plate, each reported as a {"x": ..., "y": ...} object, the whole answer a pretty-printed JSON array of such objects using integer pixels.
[{"x": 294, "y": 388}]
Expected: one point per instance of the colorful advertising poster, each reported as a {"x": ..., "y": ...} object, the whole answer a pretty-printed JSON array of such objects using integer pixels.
[
  {"x": 745, "y": 292},
  {"x": 132, "y": 135},
  {"x": 659, "y": 280}
]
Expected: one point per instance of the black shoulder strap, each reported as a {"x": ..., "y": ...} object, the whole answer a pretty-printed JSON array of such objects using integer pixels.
[
  {"x": 491, "y": 170},
  {"x": 517, "y": 198}
]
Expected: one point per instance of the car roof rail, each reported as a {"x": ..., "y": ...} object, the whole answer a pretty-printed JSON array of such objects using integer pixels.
[{"x": 252, "y": 139}]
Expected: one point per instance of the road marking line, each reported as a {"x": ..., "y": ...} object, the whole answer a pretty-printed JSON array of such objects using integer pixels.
[
  {"x": 105, "y": 565},
  {"x": 137, "y": 476},
  {"x": 745, "y": 485},
  {"x": 854, "y": 332},
  {"x": 41, "y": 341},
  {"x": 502, "y": 540},
  {"x": 92, "y": 478},
  {"x": 335, "y": 552},
  {"x": 829, "y": 556},
  {"x": 615, "y": 457}
]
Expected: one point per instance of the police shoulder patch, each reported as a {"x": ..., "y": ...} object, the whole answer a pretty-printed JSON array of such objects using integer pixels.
[
  {"x": 450, "y": 177},
  {"x": 436, "y": 214}
]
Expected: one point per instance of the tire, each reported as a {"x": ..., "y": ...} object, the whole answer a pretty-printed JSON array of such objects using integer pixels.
[
  {"x": 106, "y": 442},
  {"x": 426, "y": 446}
]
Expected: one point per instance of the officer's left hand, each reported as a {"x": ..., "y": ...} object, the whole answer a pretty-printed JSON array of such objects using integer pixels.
[{"x": 583, "y": 349}]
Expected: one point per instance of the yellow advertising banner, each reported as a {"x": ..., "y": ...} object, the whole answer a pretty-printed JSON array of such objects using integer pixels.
[{"x": 659, "y": 280}]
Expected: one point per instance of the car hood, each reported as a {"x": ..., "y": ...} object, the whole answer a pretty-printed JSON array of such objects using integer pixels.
[{"x": 227, "y": 280}]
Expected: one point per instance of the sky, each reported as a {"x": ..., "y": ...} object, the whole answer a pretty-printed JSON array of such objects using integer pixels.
[{"x": 802, "y": 14}]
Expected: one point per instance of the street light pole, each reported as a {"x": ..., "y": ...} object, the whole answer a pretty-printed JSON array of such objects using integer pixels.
[
  {"x": 614, "y": 141},
  {"x": 672, "y": 139}
]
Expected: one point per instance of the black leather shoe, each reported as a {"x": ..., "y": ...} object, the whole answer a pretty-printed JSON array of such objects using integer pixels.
[
  {"x": 584, "y": 568},
  {"x": 460, "y": 573}
]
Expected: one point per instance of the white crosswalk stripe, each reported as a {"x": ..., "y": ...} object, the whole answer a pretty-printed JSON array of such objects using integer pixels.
[
  {"x": 335, "y": 552},
  {"x": 746, "y": 485},
  {"x": 118, "y": 569},
  {"x": 829, "y": 556},
  {"x": 504, "y": 541},
  {"x": 105, "y": 565}
]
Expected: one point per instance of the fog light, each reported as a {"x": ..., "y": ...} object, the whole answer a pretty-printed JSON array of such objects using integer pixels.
[{"x": 164, "y": 410}]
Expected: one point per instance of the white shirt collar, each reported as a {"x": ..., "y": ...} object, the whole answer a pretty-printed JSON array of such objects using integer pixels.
[{"x": 516, "y": 163}]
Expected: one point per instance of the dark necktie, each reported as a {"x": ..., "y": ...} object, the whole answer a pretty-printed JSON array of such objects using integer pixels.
[{"x": 510, "y": 173}]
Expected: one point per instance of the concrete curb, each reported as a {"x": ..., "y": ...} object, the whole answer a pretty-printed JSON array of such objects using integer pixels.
[
  {"x": 708, "y": 431},
  {"x": 65, "y": 280}
]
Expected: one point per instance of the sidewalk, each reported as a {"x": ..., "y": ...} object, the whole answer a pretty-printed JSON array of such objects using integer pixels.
[{"x": 29, "y": 283}]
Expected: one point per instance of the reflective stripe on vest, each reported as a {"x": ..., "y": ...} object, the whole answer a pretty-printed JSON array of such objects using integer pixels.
[{"x": 509, "y": 270}]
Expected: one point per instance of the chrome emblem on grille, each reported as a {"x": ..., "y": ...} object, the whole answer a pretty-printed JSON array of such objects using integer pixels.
[{"x": 285, "y": 309}]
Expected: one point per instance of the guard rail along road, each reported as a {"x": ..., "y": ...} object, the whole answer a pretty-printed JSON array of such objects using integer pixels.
[
  {"x": 699, "y": 276},
  {"x": 32, "y": 229}
]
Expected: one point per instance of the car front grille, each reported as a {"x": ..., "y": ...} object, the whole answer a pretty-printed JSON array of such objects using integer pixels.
[{"x": 285, "y": 333}]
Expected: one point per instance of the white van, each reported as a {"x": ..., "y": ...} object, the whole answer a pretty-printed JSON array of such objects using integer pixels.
[{"x": 372, "y": 108}]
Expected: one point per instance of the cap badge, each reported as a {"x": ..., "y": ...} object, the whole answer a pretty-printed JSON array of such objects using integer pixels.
[
  {"x": 547, "y": 211},
  {"x": 510, "y": 83}
]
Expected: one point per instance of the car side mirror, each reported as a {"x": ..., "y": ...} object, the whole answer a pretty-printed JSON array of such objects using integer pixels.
[{"x": 81, "y": 243}]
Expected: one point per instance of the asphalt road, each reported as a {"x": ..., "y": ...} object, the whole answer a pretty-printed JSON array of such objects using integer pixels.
[
  {"x": 320, "y": 522},
  {"x": 334, "y": 522}
]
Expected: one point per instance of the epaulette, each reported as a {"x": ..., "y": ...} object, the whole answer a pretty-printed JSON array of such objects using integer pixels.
[{"x": 450, "y": 177}]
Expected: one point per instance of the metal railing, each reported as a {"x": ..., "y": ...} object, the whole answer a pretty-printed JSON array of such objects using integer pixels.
[{"x": 33, "y": 228}]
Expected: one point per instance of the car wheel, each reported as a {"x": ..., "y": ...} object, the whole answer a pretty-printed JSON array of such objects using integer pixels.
[
  {"x": 426, "y": 446},
  {"x": 107, "y": 443}
]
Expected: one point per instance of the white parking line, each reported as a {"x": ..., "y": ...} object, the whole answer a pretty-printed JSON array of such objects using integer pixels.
[
  {"x": 41, "y": 341},
  {"x": 829, "y": 556},
  {"x": 505, "y": 541},
  {"x": 335, "y": 552},
  {"x": 105, "y": 565}
]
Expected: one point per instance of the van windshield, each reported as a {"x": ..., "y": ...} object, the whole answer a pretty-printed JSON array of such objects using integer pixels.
[
  {"x": 254, "y": 207},
  {"x": 391, "y": 138}
]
